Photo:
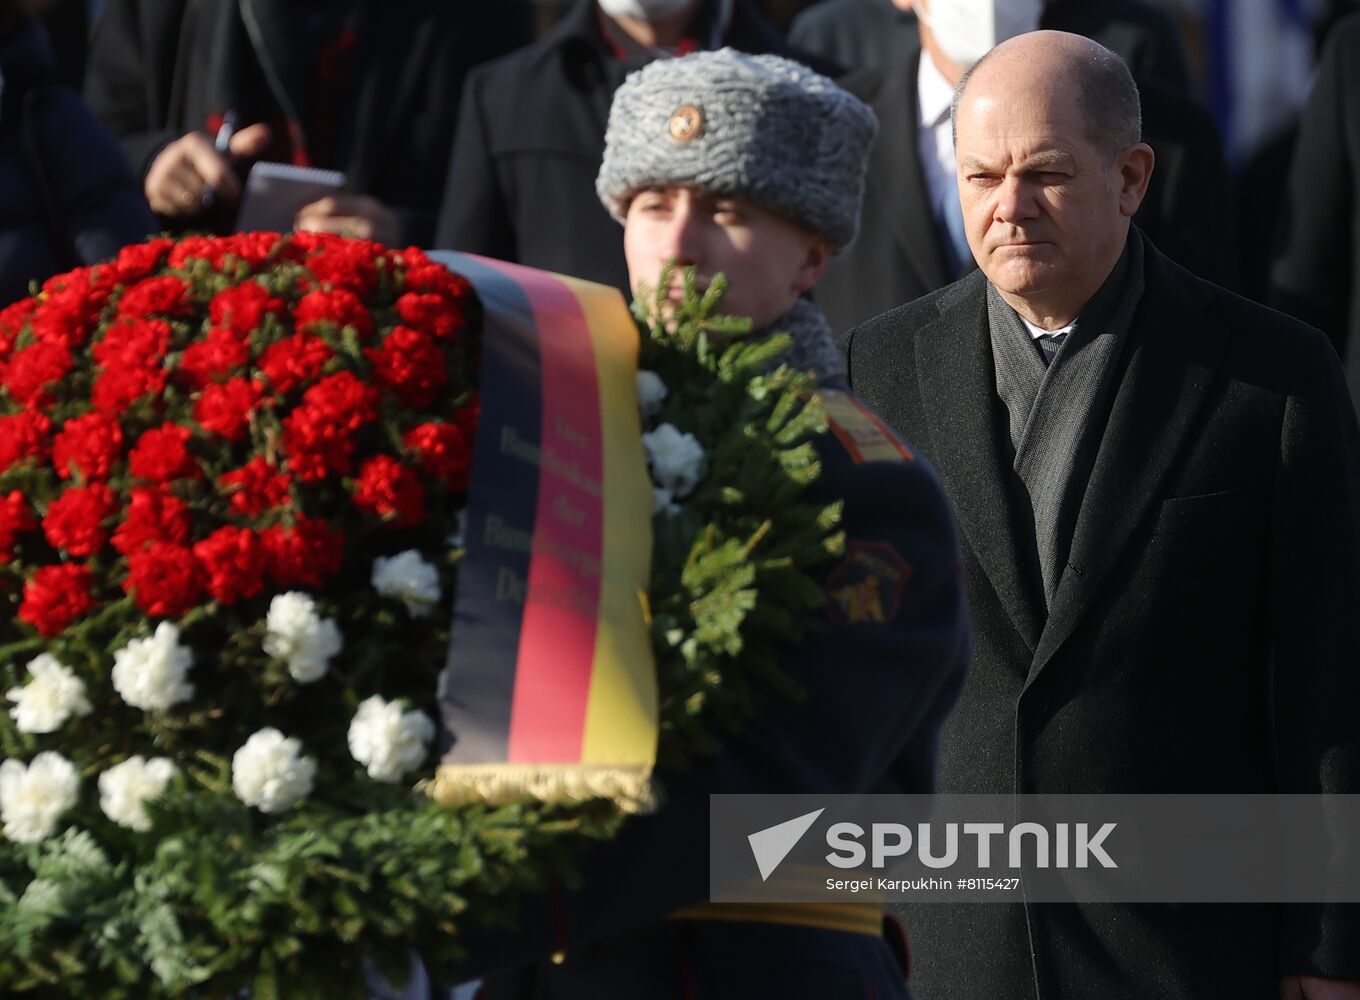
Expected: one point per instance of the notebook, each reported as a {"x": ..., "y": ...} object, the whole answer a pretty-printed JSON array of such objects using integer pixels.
[{"x": 275, "y": 191}]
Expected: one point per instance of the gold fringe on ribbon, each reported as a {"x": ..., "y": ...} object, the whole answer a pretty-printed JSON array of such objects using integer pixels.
[{"x": 629, "y": 787}]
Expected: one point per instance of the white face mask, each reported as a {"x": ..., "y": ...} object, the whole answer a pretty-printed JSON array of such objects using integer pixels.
[
  {"x": 966, "y": 30},
  {"x": 643, "y": 10}
]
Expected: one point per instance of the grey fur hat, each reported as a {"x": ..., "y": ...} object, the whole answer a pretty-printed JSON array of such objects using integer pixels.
[{"x": 760, "y": 127}]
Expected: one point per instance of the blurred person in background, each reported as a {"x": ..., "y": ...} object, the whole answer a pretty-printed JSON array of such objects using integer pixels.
[
  {"x": 67, "y": 194},
  {"x": 365, "y": 87},
  {"x": 912, "y": 239},
  {"x": 1316, "y": 272},
  {"x": 868, "y": 34},
  {"x": 521, "y": 185}
]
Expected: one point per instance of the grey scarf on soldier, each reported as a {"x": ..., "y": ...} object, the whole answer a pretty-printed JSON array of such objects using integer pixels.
[
  {"x": 813, "y": 348},
  {"x": 1057, "y": 411}
]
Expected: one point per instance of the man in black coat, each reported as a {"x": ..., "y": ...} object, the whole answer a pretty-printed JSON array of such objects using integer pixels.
[
  {"x": 521, "y": 185},
  {"x": 1158, "y": 486},
  {"x": 366, "y": 87},
  {"x": 1316, "y": 273},
  {"x": 904, "y": 248}
]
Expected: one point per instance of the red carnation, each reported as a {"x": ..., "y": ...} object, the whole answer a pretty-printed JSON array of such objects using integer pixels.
[
  {"x": 305, "y": 555},
  {"x": 213, "y": 358},
  {"x": 243, "y": 307},
  {"x": 137, "y": 261},
  {"x": 165, "y": 294},
  {"x": 253, "y": 248},
  {"x": 15, "y": 518},
  {"x": 443, "y": 450},
  {"x": 190, "y": 248},
  {"x": 234, "y": 559},
  {"x": 55, "y": 596},
  {"x": 12, "y": 320},
  {"x": 390, "y": 490},
  {"x": 116, "y": 390},
  {"x": 69, "y": 310},
  {"x": 75, "y": 520},
  {"x": 153, "y": 515},
  {"x": 89, "y": 445},
  {"x": 133, "y": 342},
  {"x": 23, "y": 435},
  {"x": 164, "y": 579},
  {"x": 294, "y": 361},
  {"x": 350, "y": 264},
  {"x": 316, "y": 446},
  {"x": 33, "y": 369},
  {"x": 432, "y": 314},
  {"x": 343, "y": 399},
  {"x": 255, "y": 487},
  {"x": 339, "y": 306},
  {"x": 225, "y": 409},
  {"x": 437, "y": 279},
  {"x": 411, "y": 365},
  {"x": 163, "y": 454}
]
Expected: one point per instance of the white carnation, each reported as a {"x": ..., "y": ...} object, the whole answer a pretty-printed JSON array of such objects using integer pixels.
[
  {"x": 270, "y": 773},
  {"x": 388, "y": 741},
  {"x": 676, "y": 458},
  {"x": 150, "y": 673},
  {"x": 410, "y": 578},
  {"x": 53, "y": 695},
  {"x": 661, "y": 500},
  {"x": 124, "y": 788},
  {"x": 296, "y": 633},
  {"x": 33, "y": 796},
  {"x": 651, "y": 393}
]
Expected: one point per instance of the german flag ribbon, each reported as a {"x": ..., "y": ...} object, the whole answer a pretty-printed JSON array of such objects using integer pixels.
[{"x": 550, "y": 687}]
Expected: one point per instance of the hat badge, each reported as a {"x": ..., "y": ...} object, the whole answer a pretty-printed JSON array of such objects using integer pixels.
[{"x": 687, "y": 123}]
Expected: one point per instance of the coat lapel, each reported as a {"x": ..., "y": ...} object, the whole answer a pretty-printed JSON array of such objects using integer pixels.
[
  {"x": 896, "y": 176},
  {"x": 958, "y": 390},
  {"x": 1173, "y": 355}
]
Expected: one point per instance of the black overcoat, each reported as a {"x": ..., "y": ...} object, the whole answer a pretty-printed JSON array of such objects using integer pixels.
[{"x": 1204, "y": 636}]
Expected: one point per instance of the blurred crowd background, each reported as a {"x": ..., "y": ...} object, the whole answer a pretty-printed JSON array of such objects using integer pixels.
[{"x": 480, "y": 126}]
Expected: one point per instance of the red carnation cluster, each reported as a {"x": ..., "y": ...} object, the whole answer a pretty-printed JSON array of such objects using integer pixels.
[
  {"x": 87, "y": 447},
  {"x": 178, "y": 424},
  {"x": 55, "y": 596},
  {"x": 75, "y": 521}
]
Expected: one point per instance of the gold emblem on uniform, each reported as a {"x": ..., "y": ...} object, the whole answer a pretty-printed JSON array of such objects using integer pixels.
[
  {"x": 866, "y": 588},
  {"x": 687, "y": 123}
]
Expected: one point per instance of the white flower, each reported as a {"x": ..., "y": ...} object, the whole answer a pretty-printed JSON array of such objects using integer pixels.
[
  {"x": 661, "y": 500},
  {"x": 296, "y": 633},
  {"x": 388, "y": 741},
  {"x": 33, "y": 797},
  {"x": 150, "y": 673},
  {"x": 123, "y": 789},
  {"x": 270, "y": 773},
  {"x": 651, "y": 393},
  {"x": 410, "y": 578},
  {"x": 676, "y": 458},
  {"x": 53, "y": 695}
]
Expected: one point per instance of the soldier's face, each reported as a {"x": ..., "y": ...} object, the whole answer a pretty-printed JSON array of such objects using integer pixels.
[{"x": 768, "y": 260}]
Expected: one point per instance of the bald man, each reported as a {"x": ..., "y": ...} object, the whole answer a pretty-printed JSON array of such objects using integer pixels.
[{"x": 1158, "y": 486}]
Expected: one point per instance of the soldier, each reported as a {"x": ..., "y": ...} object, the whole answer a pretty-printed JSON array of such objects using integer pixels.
[{"x": 753, "y": 166}]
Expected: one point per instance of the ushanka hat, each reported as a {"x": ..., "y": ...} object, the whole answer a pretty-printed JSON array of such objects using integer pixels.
[{"x": 759, "y": 127}]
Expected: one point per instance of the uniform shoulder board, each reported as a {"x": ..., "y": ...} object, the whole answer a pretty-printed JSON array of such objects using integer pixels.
[{"x": 859, "y": 430}]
